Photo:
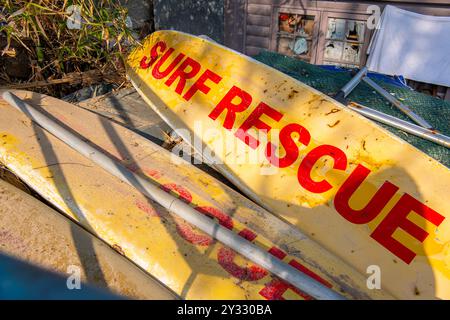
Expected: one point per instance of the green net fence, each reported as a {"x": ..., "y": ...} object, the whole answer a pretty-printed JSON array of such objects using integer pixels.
[{"x": 435, "y": 111}]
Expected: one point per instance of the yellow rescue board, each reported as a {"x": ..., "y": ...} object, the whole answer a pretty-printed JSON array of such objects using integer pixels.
[
  {"x": 364, "y": 194},
  {"x": 33, "y": 232},
  {"x": 184, "y": 259}
]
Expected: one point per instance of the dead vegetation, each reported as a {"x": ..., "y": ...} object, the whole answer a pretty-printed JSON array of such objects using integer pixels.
[{"x": 40, "y": 52}]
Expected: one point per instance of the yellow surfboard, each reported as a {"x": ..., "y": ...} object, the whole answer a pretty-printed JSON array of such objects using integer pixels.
[
  {"x": 184, "y": 259},
  {"x": 362, "y": 193},
  {"x": 33, "y": 232}
]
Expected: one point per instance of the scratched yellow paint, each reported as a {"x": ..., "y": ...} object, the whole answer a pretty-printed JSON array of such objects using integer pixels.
[
  {"x": 33, "y": 232},
  {"x": 388, "y": 157},
  {"x": 138, "y": 227}
]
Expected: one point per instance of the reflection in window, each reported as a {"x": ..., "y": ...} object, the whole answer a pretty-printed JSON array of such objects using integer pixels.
[
  {"x": 344, "y": 41},
  {"x": 294, "y": 36}
]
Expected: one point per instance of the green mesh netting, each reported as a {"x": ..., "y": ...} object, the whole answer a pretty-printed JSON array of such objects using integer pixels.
[{"x": 435, "y": 111}]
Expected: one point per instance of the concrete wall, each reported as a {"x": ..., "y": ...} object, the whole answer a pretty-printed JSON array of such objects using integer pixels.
[{"x": 192, "y": 16}]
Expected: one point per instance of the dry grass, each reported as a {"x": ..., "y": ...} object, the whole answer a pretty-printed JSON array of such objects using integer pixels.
[{"x": 36, "y": 32}]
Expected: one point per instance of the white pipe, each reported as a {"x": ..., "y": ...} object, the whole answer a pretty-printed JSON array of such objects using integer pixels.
[
  {"x": 354, "y": 82},
  {"x": 178, "y": 207},
  {"x": 349, "y": 86},
  {"x": 362, "y": 75},
  {"x": 431, "y": 135},
  {"x": 406, "y": 110}
]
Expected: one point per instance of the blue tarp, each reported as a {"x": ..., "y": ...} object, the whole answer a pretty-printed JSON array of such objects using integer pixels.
[{"x": 395, "y": 80}]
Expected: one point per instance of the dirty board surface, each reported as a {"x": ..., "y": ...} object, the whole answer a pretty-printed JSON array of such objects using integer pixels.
[
  {"x": 432, "y": 109},
  {"x": 184, "y": 259},
  {"x": 361, "y": 192},
  {"x": 35, "y": 233},
  {"x": 127, "y": 108}
]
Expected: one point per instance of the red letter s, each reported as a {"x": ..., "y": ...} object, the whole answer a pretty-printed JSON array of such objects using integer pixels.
[{"x": 153, "y": 55}]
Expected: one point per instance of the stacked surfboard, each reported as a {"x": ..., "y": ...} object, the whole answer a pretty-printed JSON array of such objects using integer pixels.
[
  {"x": 183, "y": 258},
  {"x": 362, "y": 193},
  {"x": 338, "y": 198},
  {"x": 35, "y": 233}
]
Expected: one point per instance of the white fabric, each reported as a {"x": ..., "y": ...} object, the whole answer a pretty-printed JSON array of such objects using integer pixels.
[{"x": 413, "y": 45}]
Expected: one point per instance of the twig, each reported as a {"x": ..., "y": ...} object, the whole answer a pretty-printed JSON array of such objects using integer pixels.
[{"x": 88, "y": 77}]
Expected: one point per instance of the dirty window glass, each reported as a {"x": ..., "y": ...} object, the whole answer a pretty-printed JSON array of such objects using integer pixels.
[
  {"x": 294, "y": 36},
  {"x": 344, "y": 42}
]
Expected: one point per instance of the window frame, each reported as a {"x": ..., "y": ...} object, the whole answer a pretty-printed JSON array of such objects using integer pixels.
[
  {"x": 347, "y": 16},
  {"x": 318, "y": 41},
  {"x": 306, "y": 12}
]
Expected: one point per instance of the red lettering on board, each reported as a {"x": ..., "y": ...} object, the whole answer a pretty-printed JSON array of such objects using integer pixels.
[
  {"x": 191, "y": 235},
  {"x": 226, "y": 103},
  {"x": 161, "y": 45},
  {"x": 196, "y": 237},
  {"x": 147, "y": 208},
  {"x": 254, "y": 120},
  {"x": 277, "y": 252},
  {"x": 183, "y": 75},
  {"x": 291, "y": 149},
  {"x": 375, "y": 205},
  {"x": 157, "y": 73},
  {"x": 182, "y": 192},
  {"x": 236, "y": 100},
  {"x": 304, "y": 172},
  {"x": 224, "y": 219},
  {"x": 398, "y": 218},
  {"x": 274, "y": 289},
  {"x": 152, "y": 173},
  {"x": 226, "y": 256},
  {"x": 200, "y": 85}
]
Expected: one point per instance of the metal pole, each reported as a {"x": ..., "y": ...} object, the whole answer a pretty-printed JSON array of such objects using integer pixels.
[
  {"x": 417, "y": 119},
  {"x": 178, "y": 207},
  {"x": 349, "y": 86},
  {"x": 406, "y": 126}
]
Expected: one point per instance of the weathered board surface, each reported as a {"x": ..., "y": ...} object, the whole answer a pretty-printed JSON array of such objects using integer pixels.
[
  {"x": 33, "y": 232},
  {"x": 127, "y": 108},
  {"x": 362, "y": 193},
  {"x": 184, "y": 259}
]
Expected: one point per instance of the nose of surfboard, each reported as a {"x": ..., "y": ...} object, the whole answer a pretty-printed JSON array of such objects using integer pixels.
[{"x": 361, "y": 192}]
